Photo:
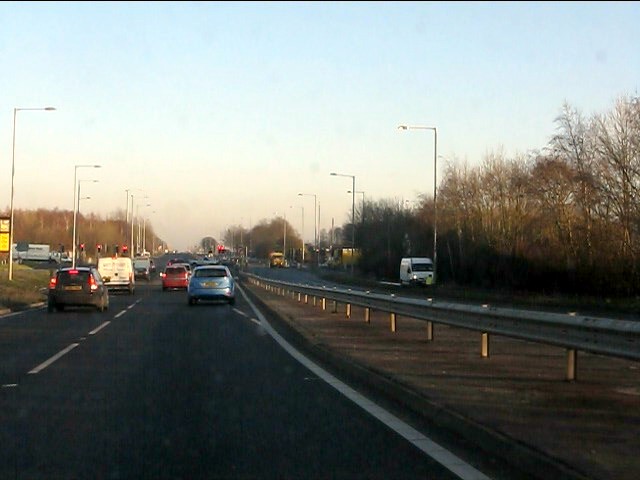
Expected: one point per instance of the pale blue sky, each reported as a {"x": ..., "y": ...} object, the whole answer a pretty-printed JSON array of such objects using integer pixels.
[{"x": 223, "y": 112}]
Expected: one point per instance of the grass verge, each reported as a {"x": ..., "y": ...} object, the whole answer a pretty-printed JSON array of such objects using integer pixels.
[{"x": 27, "y": 287}]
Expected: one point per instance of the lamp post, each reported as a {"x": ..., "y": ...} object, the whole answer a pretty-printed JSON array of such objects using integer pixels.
[
  {"x": 361, "y": 213},
  {"x": 144, "y": 230},
  {"x": 302, "y": 235},
  {"x": 435, "y": 204},
  {"x": 76, "y": 186},
  {"x": 131, "y": 253},
  {"x": 75, "y": 223},
  {"x": 81, "y": 198},
  {"x": 315, "y": 219},
  {"x": 353, "y": 216},
  {"x": 13, "y": 173}
]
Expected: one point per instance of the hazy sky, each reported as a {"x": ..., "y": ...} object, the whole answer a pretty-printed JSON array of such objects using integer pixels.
[{"x": 221, "y": 113}]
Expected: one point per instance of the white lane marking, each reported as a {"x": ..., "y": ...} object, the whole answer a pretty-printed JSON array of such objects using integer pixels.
[
  {"x": 240, "y": 312},
  {"x": 120, "y": 314},
  {"x": 57, "y": 356},
  {"x": 441, "y": 455},
  {"x": 10, "y": 385},
  {"x": 96, "y": 330}
]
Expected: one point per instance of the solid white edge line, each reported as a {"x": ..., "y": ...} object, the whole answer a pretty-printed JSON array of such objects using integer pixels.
[
  {"x": 240, "y": 312},
  {"x": 57, "y": 356},
  {"x": 425, "y": 444}
]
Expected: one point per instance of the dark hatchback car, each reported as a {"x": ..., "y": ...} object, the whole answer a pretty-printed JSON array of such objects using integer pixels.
[{"x": 77, "y": 287}]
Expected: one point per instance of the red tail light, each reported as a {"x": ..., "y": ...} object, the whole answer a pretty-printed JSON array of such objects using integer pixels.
[
  {"x": 52, "y": 282},
  {"x": 92, "y": 283},
  {"x": 73, "y": 272}
]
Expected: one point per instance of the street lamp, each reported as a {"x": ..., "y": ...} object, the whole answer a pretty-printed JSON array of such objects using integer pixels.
[
  {"x": 75, "y": 208},
  {"x": 353, "y": 216},
  {"x": 144, "y": 230},
  {"x": 13, "y": 173},
  {"x": 361, "y": 213},
  {"x": 315, "y": 220},
  {"x": 131, "y": 253},
  {"x": 435, "y": 204}
]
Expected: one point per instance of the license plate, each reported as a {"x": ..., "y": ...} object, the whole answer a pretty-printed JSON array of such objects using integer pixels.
[
  {"x": 73, "y": 287},
  {"x": 210, "y": 284}
]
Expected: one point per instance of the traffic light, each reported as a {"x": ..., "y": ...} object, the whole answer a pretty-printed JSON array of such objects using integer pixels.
[
  {"x": 125, "y": 249},
  {"x": 220, "y": 248},
  {"x": 82, "y": 247},
  {"x": 99, "y": 248}
]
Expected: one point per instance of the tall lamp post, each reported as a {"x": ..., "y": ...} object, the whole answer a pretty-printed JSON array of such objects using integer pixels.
[
  {"x": 302, "y": 233},
  {"x": 131, "y": 252},
  {"x": 144, "y": 230},
  {"x": 435, "y": 203},
  {"x": 76, "y": 186},
  {"x": 77, "y": 207},
  {"x": 353, "y": 216},
  {"x": 315, "y": 220},
  {"x": 362, "y": 212},
  {"x": 13, "y": 173}
]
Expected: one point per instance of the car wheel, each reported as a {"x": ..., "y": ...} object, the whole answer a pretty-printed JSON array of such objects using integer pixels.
[
  {"x": 51, "y": 307},
  {"x": 60, "y": 307},
  {"x": 190, "y": 301}
]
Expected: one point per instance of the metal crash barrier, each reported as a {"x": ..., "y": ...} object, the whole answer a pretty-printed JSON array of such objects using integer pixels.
[{"x": 602, "y": 336}]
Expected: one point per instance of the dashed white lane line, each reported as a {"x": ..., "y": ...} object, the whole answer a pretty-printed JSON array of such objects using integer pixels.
[
  {"x": 57, "y": 356},
  {"x": 120, "y": 314},
  {"x": 97, "y": 329},
  {"x": 441, "y": 455},
  {"x": 240, "y": 312}
]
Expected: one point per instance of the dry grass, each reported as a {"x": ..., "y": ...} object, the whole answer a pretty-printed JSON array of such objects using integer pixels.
[{"x": 28, "y": 286}]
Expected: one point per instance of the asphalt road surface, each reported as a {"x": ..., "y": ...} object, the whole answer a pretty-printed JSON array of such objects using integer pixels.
[{"x": 154, "y": 388}]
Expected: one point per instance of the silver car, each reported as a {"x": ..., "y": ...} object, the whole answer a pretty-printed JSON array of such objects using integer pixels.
[{"x": 211, "y": 282}]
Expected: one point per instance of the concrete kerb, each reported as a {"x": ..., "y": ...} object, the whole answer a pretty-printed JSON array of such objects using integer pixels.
[
  {"x": 525, "y": 459},
  {"x": 7, "y": 311}
]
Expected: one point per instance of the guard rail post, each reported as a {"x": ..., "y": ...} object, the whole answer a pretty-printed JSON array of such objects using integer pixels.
[
  {"x": 572, "y": 364},
  {"x": 484, "y": 350}
]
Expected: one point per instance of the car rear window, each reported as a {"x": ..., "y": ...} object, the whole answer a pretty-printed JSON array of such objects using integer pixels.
[
  {"x": 211, "y": 272},
  {"x": 176, "y": 271},
  {"x": 73, "y": 277}
]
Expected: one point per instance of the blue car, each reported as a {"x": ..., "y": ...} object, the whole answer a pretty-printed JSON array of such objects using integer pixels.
[{"x": 211, "y": 282}]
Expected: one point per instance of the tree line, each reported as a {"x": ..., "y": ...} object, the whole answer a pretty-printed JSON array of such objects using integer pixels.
[
  {"x": 54, "y": 227},
  {"x": 564, "y": 219}
]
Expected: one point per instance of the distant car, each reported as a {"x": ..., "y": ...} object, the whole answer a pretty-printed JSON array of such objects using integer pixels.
[
  {"x": 211, "y": 282},
  {"x": 176, "y": 260},
  {"x": 77, "y": 287},
  {"x": 142, "y": 267},
  {"x": 175, "y": 277}
]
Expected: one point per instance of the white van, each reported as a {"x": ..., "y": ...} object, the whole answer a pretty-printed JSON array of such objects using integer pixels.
[
  {"x": 416, "y": 271},
  {"x": 117, "y": 273}
]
